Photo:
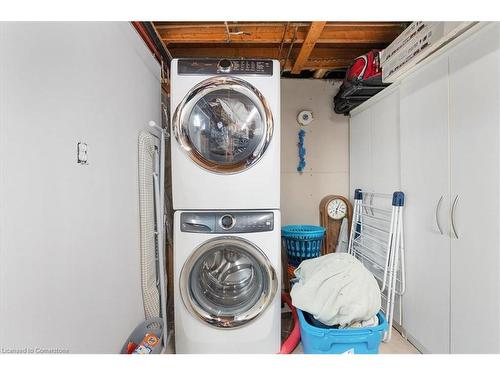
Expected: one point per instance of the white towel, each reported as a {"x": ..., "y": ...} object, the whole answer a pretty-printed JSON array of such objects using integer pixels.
[{"x": 336, "y": 289}]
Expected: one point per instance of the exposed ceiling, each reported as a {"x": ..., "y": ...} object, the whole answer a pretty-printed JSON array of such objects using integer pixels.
[{"x": 304, "y": 49}]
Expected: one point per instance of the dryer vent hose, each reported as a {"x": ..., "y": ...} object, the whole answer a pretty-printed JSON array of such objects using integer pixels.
[{"x": 293, "y": 339}]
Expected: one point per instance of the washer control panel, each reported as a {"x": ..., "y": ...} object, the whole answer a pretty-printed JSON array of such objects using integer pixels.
[
  {"x": 227, "y": 222},
  {"x": 225, "y": 66}
]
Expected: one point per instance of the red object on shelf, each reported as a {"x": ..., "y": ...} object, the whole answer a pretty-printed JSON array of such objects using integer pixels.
[{"x": 364, "y": 67}]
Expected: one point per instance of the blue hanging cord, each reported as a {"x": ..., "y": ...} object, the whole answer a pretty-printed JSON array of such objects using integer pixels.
[{"x": 302, "y": 151}]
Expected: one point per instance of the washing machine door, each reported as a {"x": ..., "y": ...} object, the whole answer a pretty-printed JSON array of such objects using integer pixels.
[
  {"x": 224, "y": 124},
  {"x": 227, "y": 282}
]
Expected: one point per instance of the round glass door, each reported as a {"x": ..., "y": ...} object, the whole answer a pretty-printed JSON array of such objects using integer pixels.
[
  {"x": 227, "y": 282},
  {"x": 224, "y": 124}
]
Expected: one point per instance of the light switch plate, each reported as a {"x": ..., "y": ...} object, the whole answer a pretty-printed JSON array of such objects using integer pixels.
[{"x": 81, "y": 150}]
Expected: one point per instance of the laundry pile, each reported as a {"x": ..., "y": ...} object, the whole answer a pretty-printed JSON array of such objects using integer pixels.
[{"x": 338, "y": 291}]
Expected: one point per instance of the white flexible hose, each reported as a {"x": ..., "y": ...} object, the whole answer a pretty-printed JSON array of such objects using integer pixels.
[{"x": 150, "y": 294}]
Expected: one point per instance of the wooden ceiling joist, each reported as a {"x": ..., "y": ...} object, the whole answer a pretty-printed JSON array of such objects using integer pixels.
[
  {"x": 319, "y": 46},
  {"x": 177, "y": 25},
  {"x": 262, "y": 52},
  {"x": 328, "y": 64},
  {"x": 274, "y": 34},
  {"x": 312, "y": 36}
]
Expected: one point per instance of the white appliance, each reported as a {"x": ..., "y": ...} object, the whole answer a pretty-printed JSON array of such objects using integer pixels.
[
  {"x": 226, "y": 133},
  {"x": 227, "y": 268}
]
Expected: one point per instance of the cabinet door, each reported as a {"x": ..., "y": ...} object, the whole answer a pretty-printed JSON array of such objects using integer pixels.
[
  {"x": 385, "y": 144},
  {"x": 360, "y": 165},
  {"x": 425, "y": 181},
  {"x": 474, "y": 124}
]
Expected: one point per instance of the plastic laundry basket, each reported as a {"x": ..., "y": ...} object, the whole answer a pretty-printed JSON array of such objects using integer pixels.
[
  {"x": 302, "y": 242},
  {"x": 151, "y": 325},
  {"x": 316, "y": 340}
]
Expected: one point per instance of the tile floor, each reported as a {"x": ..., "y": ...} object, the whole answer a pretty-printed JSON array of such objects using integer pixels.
[{"x": 398, "y": 345}]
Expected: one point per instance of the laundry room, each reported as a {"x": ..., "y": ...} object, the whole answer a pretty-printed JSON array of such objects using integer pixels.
[{"x": 176, "y": 183}]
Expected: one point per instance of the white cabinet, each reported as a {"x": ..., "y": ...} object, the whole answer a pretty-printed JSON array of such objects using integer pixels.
[
  {"x": 450, "y": 150},
  {"x": 475, "y": 152},
  {"x": 360, "y": 152},
  {"x": 374, "y": 151},
  {"x": 385, "y": 144},
  {"x": 374, "y": 146},
  {"x": 425, "y": 181},
  {"x": 449, "y": 126}
]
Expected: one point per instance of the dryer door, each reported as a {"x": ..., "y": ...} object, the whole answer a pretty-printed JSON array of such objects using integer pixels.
[
  {"x": 227, "y": 282},
  {"x": 224, "y": 124}
]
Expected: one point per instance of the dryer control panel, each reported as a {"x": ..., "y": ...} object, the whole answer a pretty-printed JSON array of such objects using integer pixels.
[
  {"x": 225, "y": 66},
  {"x": 227, "y": 222}
]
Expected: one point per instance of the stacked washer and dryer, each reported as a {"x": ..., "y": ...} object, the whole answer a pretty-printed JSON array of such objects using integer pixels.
[{"x": 226, "y": 197}]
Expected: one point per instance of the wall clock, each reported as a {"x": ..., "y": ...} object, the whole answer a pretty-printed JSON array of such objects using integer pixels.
[{"x": 333, "y": 209}]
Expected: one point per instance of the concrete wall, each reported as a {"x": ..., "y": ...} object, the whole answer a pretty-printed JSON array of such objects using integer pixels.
[
  {"x": 69, "y": 234},
  {"x": 327, "y": 150}
]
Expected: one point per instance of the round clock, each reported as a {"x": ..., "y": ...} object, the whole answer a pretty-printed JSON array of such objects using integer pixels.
[
  {"x": 337, "y": 209},
  {"x": 334, "y": 209}
]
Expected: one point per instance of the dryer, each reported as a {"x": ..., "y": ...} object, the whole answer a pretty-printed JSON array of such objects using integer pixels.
[
  {"x": 227, "y": 268},
  {"x": 226, "y": 133}
]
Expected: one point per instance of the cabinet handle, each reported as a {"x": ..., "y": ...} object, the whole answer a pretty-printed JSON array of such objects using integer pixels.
[
  {"x": 437, "y": 214},
  {"x": 455, "y": 201}
]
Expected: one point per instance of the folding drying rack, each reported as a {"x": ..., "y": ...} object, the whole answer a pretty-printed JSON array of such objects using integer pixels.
[{"x": 376, "y": 239}]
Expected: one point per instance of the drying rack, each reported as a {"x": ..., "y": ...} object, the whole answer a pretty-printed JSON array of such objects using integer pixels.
[{"x": 376, "y": 239}]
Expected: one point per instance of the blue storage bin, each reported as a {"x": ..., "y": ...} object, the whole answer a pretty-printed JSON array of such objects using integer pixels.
[
  {"x": 302, "y": 242},
  {"x": 317, "y": 340}
]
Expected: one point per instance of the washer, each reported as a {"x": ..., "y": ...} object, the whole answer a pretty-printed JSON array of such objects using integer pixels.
[
  {"x": 226, "y": 137},
  {"x": 227, "y": 293}
]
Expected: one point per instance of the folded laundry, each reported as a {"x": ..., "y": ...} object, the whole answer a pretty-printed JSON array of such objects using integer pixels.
[{"x": 337, "y": 290}]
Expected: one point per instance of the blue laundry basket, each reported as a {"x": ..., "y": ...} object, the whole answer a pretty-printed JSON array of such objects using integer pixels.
[
  {"x": 302, "y": 242},
  {"x": 316, "y": 340}
]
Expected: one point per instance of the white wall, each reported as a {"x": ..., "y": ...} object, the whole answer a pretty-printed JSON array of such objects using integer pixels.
[
  {"x": 69, "y": 234},
  {"x": 327, "y": 149}
]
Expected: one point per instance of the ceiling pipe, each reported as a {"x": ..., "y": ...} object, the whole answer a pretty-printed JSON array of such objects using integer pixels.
[
  {"x": 237, "y": 32},
  {"x": 149, "y": 35},
  {"x": 283, "y": 41},
  {"x": 146, "y": 38},
  {"x": 320, "y": 73},
  {"x": 165, "y": 53},
  {"x": 290, "y": 48}
]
